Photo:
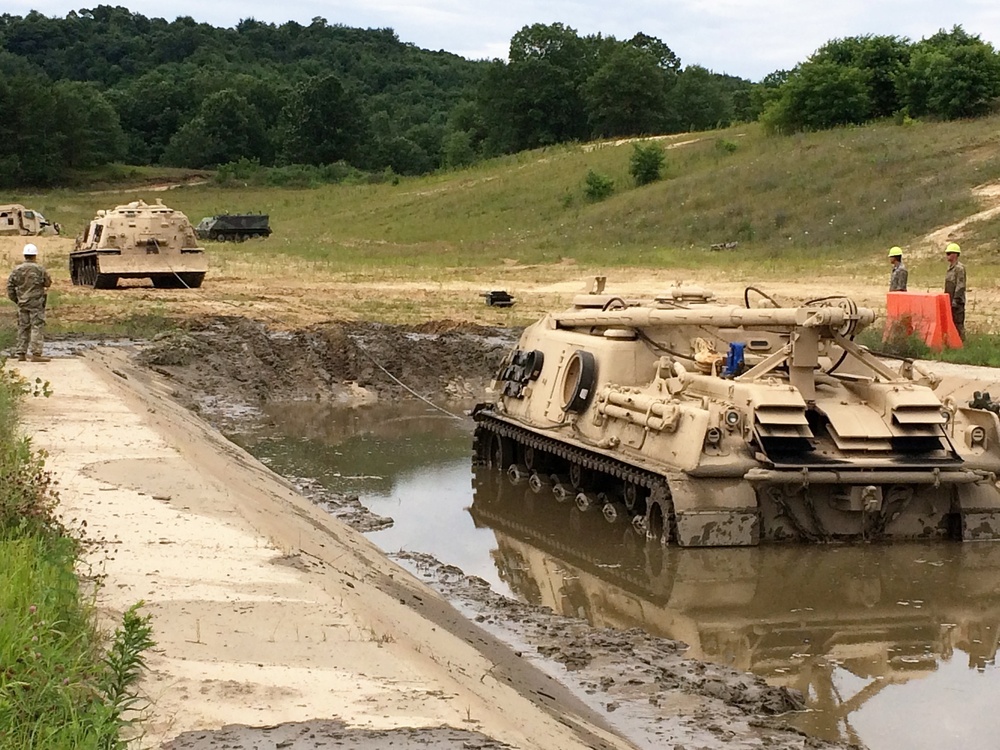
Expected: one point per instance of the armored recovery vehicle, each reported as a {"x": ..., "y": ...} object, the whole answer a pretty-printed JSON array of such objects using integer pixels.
[
  {"x": 713, "y": 425},
  {"x": 138, "y": 240},
  {"x": 233, "y": 227}
]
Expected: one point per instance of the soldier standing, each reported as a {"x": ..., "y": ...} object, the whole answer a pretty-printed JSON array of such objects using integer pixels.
[
  {"x": 26, "y": 287},
  {"x": 897, "y": 279},
  {"x": 954, "y": 287}
]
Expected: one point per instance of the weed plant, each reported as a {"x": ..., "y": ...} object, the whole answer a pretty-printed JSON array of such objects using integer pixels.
[
  {"x": 898, "y": 341},
  {"x": 62, "y": 686},
  {"x": 981, "y": 349}
]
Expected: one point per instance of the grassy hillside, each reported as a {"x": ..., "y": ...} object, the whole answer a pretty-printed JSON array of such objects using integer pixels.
[{"x": 811, "y": 203}]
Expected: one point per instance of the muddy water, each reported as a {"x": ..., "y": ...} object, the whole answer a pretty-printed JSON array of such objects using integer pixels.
[{"x": 893, "y": 646}]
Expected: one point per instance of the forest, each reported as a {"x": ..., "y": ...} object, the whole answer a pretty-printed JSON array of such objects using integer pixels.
[{"x": 107, "y": 85}]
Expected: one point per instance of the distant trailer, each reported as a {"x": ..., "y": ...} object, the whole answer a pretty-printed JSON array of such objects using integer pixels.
[{"x": 233, "y": 227}]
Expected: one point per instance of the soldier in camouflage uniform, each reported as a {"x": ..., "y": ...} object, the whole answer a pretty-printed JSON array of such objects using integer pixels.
[
  {"x": 954, "y": 287},
  {"x": 897, "y": 278},
  {"x": 26, "y": 287}
]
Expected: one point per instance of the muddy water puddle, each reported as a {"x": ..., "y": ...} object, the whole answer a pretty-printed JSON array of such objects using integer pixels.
[{"x": 893, "y": 646}]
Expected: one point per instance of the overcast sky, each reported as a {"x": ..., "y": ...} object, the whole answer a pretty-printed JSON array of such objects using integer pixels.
[{"x": 748, "y": 38}]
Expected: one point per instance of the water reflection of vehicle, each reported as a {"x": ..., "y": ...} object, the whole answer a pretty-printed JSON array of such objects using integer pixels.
[{"x": 796, "y": 615}]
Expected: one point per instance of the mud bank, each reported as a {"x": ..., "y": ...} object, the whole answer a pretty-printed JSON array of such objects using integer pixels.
[
  {"x": 227, "y": 367},
  {"x": 643, "y": 684},
  {"x": 651, "y": 692}
]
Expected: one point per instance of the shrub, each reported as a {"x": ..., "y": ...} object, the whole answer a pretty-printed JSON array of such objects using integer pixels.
[
  {"x": 249, "y": 172},
  {"x": 646, "y": 163},
  {"x": 598, "y": 186}
]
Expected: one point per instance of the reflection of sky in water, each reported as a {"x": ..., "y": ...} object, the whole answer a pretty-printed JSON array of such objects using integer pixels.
[
  {"x": 954, "y": 707},
  {"x": 879, "y": 637},
  {"x": 429, "y": 510}
]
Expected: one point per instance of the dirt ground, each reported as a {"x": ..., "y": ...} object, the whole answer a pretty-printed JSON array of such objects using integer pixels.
[
  {"x": 278, "y": 625},
  {"x": 291, "y": 294}
]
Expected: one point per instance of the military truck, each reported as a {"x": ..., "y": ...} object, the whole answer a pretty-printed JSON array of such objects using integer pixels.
[
  {"x": 15, "y": 219},
  {"x": 233, "y": 227},
  {"x": 138, "y": 240},
  {"x": 710, "y": 424}
]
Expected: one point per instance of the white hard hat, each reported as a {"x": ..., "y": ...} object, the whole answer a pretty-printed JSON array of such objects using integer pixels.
[{"x": 30, "y": 249}]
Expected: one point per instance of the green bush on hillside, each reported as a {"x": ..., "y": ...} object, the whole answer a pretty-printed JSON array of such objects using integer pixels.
[
  {"x": 646, "y": 164},
  {"x": 598, "y": 186}
]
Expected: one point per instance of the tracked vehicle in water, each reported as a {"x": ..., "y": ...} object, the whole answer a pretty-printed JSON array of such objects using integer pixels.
[
  {"x": 138, "y": 240},
  {"x": 721, "y": 425}
]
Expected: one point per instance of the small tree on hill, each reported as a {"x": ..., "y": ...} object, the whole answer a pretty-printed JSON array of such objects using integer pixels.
[
  {"x": 598, "y": 186},
  {"x": 646, "y": 163}
]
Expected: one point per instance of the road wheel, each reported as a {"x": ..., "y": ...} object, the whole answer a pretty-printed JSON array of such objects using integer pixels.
[
  {"x": 635, "y": 498},
  {"x": 501, "y": 452}
]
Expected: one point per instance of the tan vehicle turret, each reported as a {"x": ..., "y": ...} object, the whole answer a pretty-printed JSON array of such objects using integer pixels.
[
  {"x": 709, "y": 425},
  {"x": 138, "y": 240}
]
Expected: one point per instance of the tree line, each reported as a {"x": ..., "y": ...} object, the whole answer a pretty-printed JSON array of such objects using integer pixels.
[
  {"x": 949, "y": 75},
  {"x": 108, "y": 85}
]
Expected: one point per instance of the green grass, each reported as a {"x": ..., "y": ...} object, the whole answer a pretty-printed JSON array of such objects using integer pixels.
[
  {"x": 800, "y": 207},
  {"x": 977, "y": 349},
  {"x": 982, "y": 349},
  {"x": 835, "y": 197},
  {"x": 64, "y": 685}
]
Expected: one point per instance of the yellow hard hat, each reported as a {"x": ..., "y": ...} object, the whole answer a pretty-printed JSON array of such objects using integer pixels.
[
  {"x": 895, "y": 252},
  {"x": 953, "y": 248}
]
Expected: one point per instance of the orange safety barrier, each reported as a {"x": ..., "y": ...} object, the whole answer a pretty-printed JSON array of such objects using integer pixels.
[{"x": 926, "y": 315}]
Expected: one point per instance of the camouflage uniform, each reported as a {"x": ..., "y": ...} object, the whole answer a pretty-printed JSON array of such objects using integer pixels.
[
  {"x": 954, "y": 286},
  {"x": 26, "y": 287},
  {"x": 897, "y": 279}
]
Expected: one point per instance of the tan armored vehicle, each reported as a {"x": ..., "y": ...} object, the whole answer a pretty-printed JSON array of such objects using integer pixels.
[
  {"x": 138, "y": 241},
  {"x": 15, "y": 219},
  {"x": 708, "y": 424}
]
